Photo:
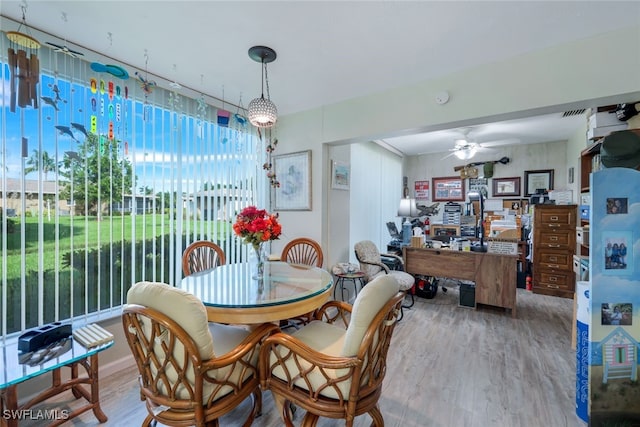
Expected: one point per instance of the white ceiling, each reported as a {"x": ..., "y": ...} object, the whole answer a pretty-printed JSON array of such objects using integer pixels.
[{"x": 328, "y": 51}]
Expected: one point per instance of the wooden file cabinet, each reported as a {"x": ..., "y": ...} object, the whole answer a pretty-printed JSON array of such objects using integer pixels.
[{"x": 554, "y": 242}]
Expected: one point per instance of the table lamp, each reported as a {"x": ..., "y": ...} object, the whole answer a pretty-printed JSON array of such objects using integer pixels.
[{"x": 407, "y": 209}]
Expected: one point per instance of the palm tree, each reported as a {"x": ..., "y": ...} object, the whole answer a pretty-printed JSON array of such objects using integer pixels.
[{"x": 37, "y": 162}]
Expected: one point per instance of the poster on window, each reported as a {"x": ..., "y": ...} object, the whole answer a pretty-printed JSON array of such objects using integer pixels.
[{"x": 422, "y": 191}]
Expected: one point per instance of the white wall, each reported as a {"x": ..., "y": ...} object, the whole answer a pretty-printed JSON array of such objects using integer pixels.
[
  {"x": 600, "y": 70},
  {"x": 552, "y": 155},
  {"x": 376, "y": 191}
]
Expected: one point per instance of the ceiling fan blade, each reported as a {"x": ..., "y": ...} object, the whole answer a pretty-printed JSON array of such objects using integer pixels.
[
  {"x": 75, "y": 52},
  {"x": 499, "y": 142},
  {"x": 453, "y": 152},
  {"x": 55, "y": 45}
]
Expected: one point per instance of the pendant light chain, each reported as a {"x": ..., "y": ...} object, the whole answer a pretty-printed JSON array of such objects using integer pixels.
[{"x": 266, "y": 80}]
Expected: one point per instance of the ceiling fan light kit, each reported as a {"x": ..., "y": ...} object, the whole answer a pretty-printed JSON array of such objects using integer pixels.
[
  {"x": 261, "y": 112},
  {"x": 465, "y": 150}
]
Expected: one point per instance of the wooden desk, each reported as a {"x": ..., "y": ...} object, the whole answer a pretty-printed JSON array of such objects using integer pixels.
[
  {"x": 230, "y": 295},
  {"x": 494, "y": 275}
]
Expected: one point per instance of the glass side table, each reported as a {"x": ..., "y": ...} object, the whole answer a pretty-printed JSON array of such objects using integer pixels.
[
  {"x": 353, "y": 277},
  {"x": 12, "y": 373}
]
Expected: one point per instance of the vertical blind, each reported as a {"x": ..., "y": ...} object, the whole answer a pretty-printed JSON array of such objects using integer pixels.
[{"x": 104, "y": 184}]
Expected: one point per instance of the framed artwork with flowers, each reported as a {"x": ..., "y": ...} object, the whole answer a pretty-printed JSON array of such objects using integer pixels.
[{"x": 293, "y": 172}]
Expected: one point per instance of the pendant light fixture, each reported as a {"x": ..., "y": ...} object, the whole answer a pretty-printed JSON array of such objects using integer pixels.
[{"x": 261, "y": 112}]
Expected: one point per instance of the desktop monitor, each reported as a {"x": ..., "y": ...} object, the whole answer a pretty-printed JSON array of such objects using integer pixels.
[{"x": 393, "y": 230}]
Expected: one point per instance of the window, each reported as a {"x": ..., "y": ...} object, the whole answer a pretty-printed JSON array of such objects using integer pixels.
[{"x": 106, "y": 185}]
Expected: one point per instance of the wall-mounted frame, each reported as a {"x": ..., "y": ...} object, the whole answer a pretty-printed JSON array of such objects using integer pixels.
[
  {"x": 538, "y": 179},
  {"x": 293, "y": 170},
  {"x": 421, "y": 189},
  {"x": 448, "y": 189},
  {"x": 503, "y": 187},
  {"x": 340, "y": 175}
]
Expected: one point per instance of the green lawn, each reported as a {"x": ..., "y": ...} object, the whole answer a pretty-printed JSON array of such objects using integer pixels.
[{"x": 79, "y": 232}]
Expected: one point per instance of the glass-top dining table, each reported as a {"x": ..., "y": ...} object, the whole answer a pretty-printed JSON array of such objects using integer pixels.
[{"x": 231, "y": 295}]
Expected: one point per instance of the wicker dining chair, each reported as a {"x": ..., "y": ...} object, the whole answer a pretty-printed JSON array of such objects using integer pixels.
[
  {"x": 303, "y": 251},
  {"x": 191, "y": 372},
  {"x": 201, "y": 255},
  {"x": 334, "y": 366}
]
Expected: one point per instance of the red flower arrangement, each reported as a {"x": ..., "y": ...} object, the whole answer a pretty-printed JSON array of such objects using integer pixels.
[{"x": 257, "y": 226}]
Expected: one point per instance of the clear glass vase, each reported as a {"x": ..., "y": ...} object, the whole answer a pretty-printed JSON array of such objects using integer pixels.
[{"x": 257, "y": 262}]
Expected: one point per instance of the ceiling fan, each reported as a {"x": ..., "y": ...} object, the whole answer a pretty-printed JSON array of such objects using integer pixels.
[
  {"x": 64, "y": 49},
  {"x": 466, "y": 146}
]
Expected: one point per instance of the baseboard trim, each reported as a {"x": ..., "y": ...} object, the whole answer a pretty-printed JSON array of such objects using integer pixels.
[{"x": 116, "y": 366}]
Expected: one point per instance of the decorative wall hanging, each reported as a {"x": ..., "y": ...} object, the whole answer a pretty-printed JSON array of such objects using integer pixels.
[
  {"x": 24, "y": 66},
  {"x": 272, "y": 143}
]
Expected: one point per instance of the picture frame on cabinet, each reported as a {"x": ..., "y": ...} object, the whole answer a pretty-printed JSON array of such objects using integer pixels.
[
  {"x": 617, "y": 205},
  {"x": 616, "y": 313},
  {"x": 617, "y": 248}
]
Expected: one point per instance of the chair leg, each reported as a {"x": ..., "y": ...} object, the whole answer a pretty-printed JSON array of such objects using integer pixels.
[
  {"x": 376, "y": 416},
  {"x": 149, "y": 421},
  {"x": 256, "y": 410},
  {"x": 287, "y": 413},
  {"x": 309, "y": 420}
]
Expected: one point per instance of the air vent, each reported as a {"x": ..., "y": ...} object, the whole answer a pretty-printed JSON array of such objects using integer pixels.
[{"x": 571, "y": 113}]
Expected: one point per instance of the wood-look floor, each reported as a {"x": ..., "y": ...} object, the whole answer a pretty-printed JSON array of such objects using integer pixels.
[{"x": 448, "y": 366}]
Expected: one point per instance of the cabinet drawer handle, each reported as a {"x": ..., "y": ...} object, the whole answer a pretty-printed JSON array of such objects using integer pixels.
[
  {"x": 553, "y": 246},
  {"x": 552, "y": 258},
  {"x": 553, "y": 286},
  {"x": 554, "y": 225},
  {"x": 553, "y": 238},
  {"x": 553, "y": 218},
  {"x": 553, "y": 266},
  {"x": 553, "y": 279}
]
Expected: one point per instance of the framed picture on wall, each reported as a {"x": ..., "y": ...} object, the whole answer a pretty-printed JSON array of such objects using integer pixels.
[
  {"x": 448, "y": 189},
  {"x": 340, "y": 175},
  {"x": 294, "y": 173},
  {"x": 506, "y": 186},
  {"x": 421, "y": 189},
  {"x": 538, "y": 180}
]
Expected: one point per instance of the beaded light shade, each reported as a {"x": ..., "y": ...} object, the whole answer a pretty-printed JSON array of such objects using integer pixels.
[{"x": 261, "y": 112}]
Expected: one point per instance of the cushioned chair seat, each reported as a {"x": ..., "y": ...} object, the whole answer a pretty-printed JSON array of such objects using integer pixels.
[
  {"x": 331, "y": 340},
  {"x": 329, "y": 371},
  {"x": 326, "y": 339},
  {"x": 191, "y": 371},
  {"x": 172, "y": 301}
]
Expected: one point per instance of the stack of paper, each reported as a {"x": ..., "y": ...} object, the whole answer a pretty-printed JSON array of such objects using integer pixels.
[{"x": 92, "y": 335}]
